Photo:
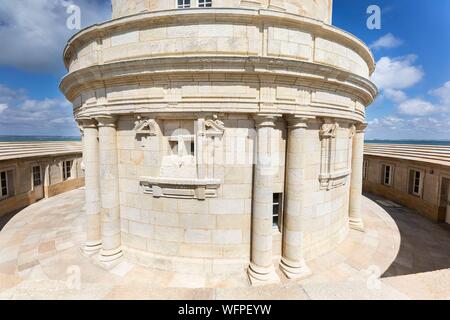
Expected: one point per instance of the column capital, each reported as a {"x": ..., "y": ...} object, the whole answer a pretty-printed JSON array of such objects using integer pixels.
[
  {"x": 298, "y": 122},
  {"x": 87, "y": 122},
  {"x": 265, "y": 120},
  {"x": 361, "y": 127},
  {"x": 106, "y": 120}
]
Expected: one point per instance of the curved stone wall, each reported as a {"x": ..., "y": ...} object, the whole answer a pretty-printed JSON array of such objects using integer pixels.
[
  {"x": 231, "y": 32},
  {"x": 316, "y": 9},
  {"x": 184, "y": 85}
]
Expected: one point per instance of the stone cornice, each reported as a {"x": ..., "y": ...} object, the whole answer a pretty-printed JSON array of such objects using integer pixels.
[
  {"x": 304, "y": 73},
  {"x": 86, "y": 122},
  {"x": 299, "y": 121},
  {"x": 134, "y": 22},
  {"x": 106, "y": 120},
  {"x": 266, "y": 120},
  {"x": 361, "y": 127}
]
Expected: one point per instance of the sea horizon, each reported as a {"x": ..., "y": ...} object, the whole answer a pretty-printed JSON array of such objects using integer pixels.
[
  {"x": 45, "y": 138},
  {"x": 37, "y": 138}
]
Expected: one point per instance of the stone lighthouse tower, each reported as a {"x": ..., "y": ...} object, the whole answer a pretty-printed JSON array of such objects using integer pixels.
[{"x": 220, "y": 136}]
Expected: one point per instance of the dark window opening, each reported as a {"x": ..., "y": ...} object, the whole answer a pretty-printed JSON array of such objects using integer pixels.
[
  {"x": 67, "y": 170},
  {"x": 3, "y": 184},
  {"x": 277, "y": 210},
  {"x": 205, "y": 3},
  {"x": 184, "y": 4},
  {"x": 37, "y": 179},
  {"x": 415, "y": 182},
  {"x": 387, "y": 175}
]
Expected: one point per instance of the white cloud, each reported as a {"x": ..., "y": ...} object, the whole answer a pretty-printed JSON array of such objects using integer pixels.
[
  {"x": 416, "y": 118},
  {"x": 397, "y": 73},
  {"x": 417, "y": 107},
  {"x": 26, "y": 116},
  {"x": 390, "y": 122},
  {"x": 33, "y": 33},
  {"x": 395, "y": 95},
  {"x": 443, "y": 93},
  {"x": 387, "y": 41},
  {"x": 7, "y": 94},
  {"x": 420, "y": 128},
  {"x": 3, "y": 107}
]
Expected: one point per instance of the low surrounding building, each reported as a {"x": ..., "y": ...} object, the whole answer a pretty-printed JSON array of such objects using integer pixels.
[
  {"x": 416, "y": 176},
  {"x": 31, "y": 171}
]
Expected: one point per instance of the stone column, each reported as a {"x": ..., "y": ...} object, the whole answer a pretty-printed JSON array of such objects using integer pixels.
[
  {"x": 109, "y": 191},
  {"x": 261, "y": 269},
  {"x": 355, "y": 216},
  {"x": 292, "y": 263},
  {"x": 92, "y": 186}
]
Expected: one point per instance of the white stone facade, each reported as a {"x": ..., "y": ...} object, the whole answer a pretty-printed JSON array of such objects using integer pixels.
[
  {"x": 316, "y": 9},
  {"x": 202, "y": 116}
]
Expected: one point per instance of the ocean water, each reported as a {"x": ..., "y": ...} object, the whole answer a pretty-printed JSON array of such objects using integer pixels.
[
  {"x": 61, "y": 138},
  {"x": 37, "y": 138}
]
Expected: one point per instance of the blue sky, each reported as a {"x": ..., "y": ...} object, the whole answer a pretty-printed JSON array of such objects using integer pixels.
[{"x": 412, "y": 51}]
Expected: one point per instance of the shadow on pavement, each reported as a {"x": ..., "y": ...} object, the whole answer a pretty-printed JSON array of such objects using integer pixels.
[{"x": 425, "y": 245}]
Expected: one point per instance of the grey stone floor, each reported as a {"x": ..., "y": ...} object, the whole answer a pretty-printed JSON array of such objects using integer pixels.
[
  {"x": 40, "y": 258},
  {"x": 424, "y": 246},
  {"x": 6, "y": 218}
]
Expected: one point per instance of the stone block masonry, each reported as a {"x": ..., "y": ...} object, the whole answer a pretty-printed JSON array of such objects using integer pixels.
[{"x": 229, "y": 137}]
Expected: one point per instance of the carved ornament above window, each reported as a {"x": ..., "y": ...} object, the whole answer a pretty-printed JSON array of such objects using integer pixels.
[
  {"x": 331, "y": 176},
  {"x": 328, "y": 130},
  {"x": 145, "y": 126},
  {"x": 212, "y": 127}
]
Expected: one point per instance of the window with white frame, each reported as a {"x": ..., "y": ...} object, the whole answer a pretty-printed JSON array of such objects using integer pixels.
[
  {"x": 182, "y": 4},
  {"x": 415, "y": 182},
  {"x": 4, "y": 191},
  {"x": 37, "y": 177},
  {"x": 67, "y": 169},
  {"x": 277, "y": 210},
  {"x": 365, "y": 169},
  {"x": 388, "y": 173},
  {"x": 205, "y": 3}
]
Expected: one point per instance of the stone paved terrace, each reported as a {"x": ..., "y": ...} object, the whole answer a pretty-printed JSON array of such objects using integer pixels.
[{"x": 40, "y": 258}]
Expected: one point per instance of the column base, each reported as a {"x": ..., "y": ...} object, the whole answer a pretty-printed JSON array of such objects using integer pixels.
[
  {"x": 357, "y": 224},
  {"x": 294, "y": 270},
  {"x": 91, "y": 248},
  {"x": 260, "y": 276},
  {"x": 108, "y": 259}
]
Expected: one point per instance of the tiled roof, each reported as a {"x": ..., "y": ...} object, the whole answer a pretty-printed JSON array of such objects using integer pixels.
[
  {"x": 423, "y": 153},
  {"x": 20, "y": 150}
]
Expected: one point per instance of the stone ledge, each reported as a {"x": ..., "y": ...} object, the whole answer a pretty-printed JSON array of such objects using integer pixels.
[
  {"x": 181, "y": 188},
  {"x": 334, "y": 179}
]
